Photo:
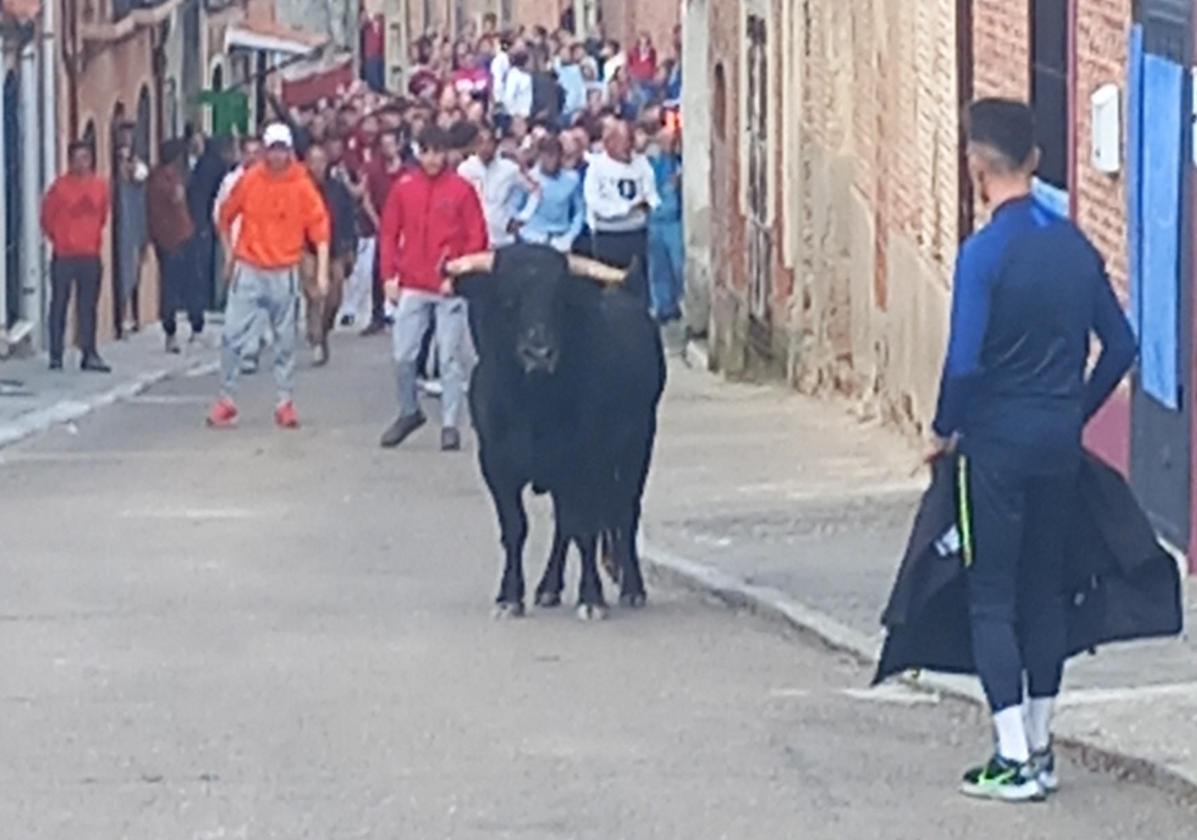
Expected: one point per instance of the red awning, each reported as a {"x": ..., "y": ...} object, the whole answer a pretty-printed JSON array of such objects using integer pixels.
[{"x": 309, "y": 82}]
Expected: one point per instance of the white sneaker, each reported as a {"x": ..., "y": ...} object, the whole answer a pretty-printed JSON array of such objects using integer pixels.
[{"x": 431, "y": 387}]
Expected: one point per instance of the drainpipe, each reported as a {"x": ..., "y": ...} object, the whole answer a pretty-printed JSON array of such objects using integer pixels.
[
  {"x": 31, "y": 192},
  {"x": 49, "y": 128},
  {"x": 3, "y": 228}
]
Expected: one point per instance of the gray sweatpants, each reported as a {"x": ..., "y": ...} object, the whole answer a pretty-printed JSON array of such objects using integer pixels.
[
  {"x": 256, "y": 294},
  {"x": 412, "y": 315}
]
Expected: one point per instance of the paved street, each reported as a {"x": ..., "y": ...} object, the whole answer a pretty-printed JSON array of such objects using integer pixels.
[{"x": 257, "y": 634}]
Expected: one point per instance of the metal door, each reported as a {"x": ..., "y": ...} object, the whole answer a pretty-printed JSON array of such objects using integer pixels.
[{"x": 1161, "y": 449}]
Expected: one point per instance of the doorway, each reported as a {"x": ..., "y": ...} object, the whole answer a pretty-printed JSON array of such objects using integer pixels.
[{"x": 1161, "y": 434}]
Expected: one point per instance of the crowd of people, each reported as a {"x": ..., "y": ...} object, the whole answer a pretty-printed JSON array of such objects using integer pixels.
[{"x": 568, "y": 142}]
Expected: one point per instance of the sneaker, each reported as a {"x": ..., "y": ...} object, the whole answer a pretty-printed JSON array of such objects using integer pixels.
[
  {"x": 249, "y": 365},
  {"x": 347, "y": 321},
  {"x": 1004, "y": 780},
  {"x": 450, "y": 440},
  {"x": 1043, "y": 765},
  {"x": 285, "y": 416},
  {"x": 431, "y": 387},
  {"x": 223, "y": 414},
  {"x": 374, "y": 328},
  {"x": 92, "y": 363},
  {"x": 402, "y": 429},
  {"x": 319, "y": 356},
  {"x": 172, "y": 345},
  {"x": 56, "y": 364}
]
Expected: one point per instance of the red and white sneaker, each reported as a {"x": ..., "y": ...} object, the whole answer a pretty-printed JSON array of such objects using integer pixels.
[
  {"x": 285, "y": 416},
  {"x": 223, "y": 415}
]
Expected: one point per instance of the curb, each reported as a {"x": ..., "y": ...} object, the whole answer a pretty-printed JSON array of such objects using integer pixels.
[
  {"x": 774, "y": 605},
  {"x": 66, "y": 411}
]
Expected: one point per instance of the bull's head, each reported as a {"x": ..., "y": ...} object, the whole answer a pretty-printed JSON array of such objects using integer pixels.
[{"x": 520, "y": 300}]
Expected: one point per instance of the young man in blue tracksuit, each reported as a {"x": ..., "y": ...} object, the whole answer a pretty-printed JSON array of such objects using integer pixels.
[
  {"x": 666, "y": 250},
  {"x": 1029, "y": 292}
]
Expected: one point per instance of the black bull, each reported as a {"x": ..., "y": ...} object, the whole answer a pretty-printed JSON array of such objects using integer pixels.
[{"x": 564, "y": 398}]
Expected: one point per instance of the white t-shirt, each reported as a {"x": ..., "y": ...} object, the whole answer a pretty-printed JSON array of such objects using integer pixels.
[
  {"x": 615, "y": 192},
  {"x": 500, "y": 189},
  {"x": 517, "y": 93}
]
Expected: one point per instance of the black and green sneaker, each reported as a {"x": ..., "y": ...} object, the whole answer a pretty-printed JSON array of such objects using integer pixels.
[
  {"x": 1004, "y": 780},
  {"x": 1043, "y": 765}
]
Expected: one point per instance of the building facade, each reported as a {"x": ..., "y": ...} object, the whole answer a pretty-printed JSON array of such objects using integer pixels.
[{"x": 832, "y": 194}]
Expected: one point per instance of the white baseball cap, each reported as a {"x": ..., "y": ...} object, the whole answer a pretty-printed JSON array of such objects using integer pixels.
[{"x": 277, "y": 134}]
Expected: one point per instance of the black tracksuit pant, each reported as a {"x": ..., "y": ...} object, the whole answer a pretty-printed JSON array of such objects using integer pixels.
[{"x": 1016, "y": 525}]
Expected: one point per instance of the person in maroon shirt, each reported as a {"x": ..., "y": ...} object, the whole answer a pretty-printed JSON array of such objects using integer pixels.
[
  {"x": 642, "y": 60},
  {"x": 373, "y": 33},
  {"x": 74, "y": 214},
  {"x": 381, "y": 175}
]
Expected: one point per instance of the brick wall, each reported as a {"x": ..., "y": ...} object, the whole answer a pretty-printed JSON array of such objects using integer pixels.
[
  {"x": 1001, "y": 48},
  {"x": 1102, "y": 33},
  {"x": 870, "y": 206}
]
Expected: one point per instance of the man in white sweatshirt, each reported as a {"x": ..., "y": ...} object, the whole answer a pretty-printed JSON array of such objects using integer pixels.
[
  {"x": 499, "y": 183},
  {"x": 620, "y": 191}
]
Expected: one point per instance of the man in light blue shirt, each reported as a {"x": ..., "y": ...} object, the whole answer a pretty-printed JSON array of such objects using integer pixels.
[
  {"x": 569, "y": 76},
  {"x": 553, "y": 214}
]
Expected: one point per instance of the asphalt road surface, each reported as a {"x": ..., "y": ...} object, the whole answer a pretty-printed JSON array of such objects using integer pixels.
[{"x": 256, "y": 634}]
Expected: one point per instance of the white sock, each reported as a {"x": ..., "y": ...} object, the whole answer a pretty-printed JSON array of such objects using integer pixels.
[
  {"x": 1012, "y": 735},
  {"x": 1039, "y": 722}
]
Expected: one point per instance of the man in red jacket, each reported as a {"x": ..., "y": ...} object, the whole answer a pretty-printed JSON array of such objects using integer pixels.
[
  {"x": 431, "y": 216},
  {"x": 74, "y": 213}
]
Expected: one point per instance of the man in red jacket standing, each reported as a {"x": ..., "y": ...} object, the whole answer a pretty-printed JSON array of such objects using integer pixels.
[
  {"x": 431, "y": 216},
  {"x": 74, "y": 213}
]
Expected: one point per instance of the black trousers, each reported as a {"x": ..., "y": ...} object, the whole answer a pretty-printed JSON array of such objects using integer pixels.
[
  {"x": 378, "y": 313},
  {"x": 624, "y": 250},
  {"x": 180, "y": 287},
  {"x": 85, "y": 272},
  {"x": 1019, "y": 525}
]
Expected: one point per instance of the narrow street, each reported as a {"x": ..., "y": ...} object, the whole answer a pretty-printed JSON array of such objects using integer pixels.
[{"x": 256, "y": 634}]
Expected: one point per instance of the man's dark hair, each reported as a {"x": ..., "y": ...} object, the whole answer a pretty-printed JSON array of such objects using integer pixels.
[
  {"x": 434, "y": 139},
  {"x": 462, "y": 134},
  {"x": 1005, "y": 126},
  {"x": 172, "y": 151},
  {"x": 551, "y": 145}
]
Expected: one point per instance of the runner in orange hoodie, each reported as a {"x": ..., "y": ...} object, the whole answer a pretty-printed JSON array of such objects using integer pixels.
[{"x": 280, "y": 211}]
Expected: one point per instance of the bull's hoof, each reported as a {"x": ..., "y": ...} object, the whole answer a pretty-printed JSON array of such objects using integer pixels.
[
  {"x": 548, "y": 600},
  {"x": 506, "y": 611},
  {"x": 633, "y": 600},
  {"x": 592, "y": 612}
]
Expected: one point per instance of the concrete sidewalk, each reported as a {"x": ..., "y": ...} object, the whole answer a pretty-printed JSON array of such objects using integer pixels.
[
  {"x": 34, "y": 398},
  {"x": 791, "y": 506}
]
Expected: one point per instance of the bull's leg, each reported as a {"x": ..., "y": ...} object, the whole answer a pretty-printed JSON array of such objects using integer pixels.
[
  {"x": 591, "y": 604},
  {"x": 548, "y": 593},
  {"x": 513, "y": 524},
  {"x": 631, "y": 592},
  {"x": 609, "y": 555}
]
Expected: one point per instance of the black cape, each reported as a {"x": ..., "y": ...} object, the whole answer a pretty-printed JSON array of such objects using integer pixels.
[{"x": 1122, "y": 584}]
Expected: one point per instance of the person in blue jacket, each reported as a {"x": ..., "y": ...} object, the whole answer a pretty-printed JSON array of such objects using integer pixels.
[
  {"x": 666, "y": 251},
  {"x": 554, "y": 212},
  {"x": 1029, "y": 292}
]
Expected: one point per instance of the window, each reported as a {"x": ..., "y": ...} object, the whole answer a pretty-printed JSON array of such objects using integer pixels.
[{"x": 1049, "y": 87}]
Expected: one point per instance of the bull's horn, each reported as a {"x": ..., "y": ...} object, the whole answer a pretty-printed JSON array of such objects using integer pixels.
[
  {"x": 595, "y": 270},
  {"x": 482, "y": 262}
]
